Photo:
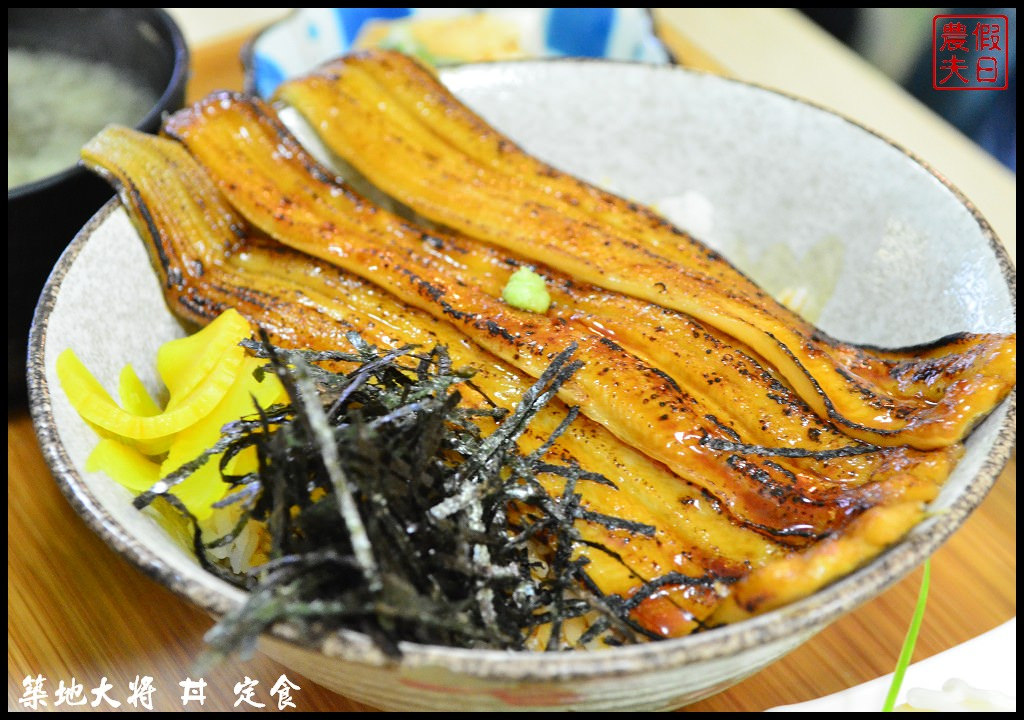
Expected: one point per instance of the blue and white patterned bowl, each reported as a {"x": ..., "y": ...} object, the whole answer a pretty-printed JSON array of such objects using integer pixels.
[{"x": 309, "y": 36}]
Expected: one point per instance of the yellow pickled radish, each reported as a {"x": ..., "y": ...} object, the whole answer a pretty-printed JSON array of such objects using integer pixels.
[
  {"x": 204, "y": 487},
  {"x": 211, "y": 382},
  {"x": 185, "y": 362},
  {"x": 271, "y": 392},
  {"x": 135, "y": 398},
  {"x": 96, "y": 406},
  {"x": 124, "y": 465}
]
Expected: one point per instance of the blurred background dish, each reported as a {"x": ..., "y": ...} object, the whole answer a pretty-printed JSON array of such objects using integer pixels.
[
  {"x": 895, "y": 41},
  {"x": 447, "y": 36},
  {"x": 70, "y": 71}
]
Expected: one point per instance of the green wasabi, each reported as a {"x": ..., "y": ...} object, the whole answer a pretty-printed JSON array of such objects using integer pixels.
[{"x": 525, "y": 290}]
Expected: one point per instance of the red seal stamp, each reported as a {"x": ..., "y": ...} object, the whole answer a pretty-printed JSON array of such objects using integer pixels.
[{"x": 970, "y": 52}]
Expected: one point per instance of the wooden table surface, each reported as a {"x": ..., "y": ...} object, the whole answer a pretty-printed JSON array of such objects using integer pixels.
[{"x": 78, "y": 613}]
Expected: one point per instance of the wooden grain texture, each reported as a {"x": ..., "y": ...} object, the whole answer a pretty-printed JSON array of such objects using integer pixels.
[
  {"x": 216, "y": 66},
  {"x": 76, "y": 610}
]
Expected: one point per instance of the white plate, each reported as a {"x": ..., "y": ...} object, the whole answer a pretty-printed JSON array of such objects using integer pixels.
[
  {"x": 987, "y": 664},
  {"x": 755, "y": 174}
]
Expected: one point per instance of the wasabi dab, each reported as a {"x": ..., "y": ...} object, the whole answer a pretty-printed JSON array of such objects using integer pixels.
[{"x": 525, "y": 290}]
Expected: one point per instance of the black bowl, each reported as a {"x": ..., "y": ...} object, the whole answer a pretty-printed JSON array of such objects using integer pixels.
[{"x": 43, "y": 216}]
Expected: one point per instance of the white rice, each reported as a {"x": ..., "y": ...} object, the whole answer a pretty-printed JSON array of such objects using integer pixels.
[
  {"x": 957, "y": 696},
  {"x": 244, "y": 552}
]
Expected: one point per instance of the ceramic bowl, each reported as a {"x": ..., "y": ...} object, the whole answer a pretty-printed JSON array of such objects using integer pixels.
[
  {"x": 883, "y": 251},
  {"x": 143, "y": 44}
]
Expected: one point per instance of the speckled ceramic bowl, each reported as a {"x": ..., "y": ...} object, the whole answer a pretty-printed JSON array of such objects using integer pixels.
[{"x": 880, "y": 250}]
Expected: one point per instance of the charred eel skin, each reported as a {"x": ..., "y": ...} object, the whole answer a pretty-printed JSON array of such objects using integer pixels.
[
  {"x": 394, "y": 122},
  {"x": 209, "y": 259},
  {"x": 791, "y": 493}
]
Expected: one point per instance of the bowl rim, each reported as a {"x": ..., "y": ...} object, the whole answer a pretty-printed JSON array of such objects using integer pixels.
[
  {"x": 806, "y": 616},
  {"x": 176, "y": 83}
]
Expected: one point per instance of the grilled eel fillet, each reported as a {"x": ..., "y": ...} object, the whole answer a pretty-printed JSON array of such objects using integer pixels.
[
  {"x": 209, "y": 259},
  {"x": 395, "y": 123},
  {"x": 766, "y": 457}
]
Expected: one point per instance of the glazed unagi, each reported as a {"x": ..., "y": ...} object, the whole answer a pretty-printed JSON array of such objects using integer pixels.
[
  {"x": 210, "y": 259},
  {"x": 394, "y": 122},
  {"x": 712, "y": 414},
  {"x": 701, "y": 567}
]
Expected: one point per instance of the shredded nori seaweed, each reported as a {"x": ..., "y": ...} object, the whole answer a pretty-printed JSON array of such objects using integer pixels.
[{"x": 392, "y": 511}]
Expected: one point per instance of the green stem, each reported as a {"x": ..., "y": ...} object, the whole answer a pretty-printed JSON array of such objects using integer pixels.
[{"x": 908, "y": 643}]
